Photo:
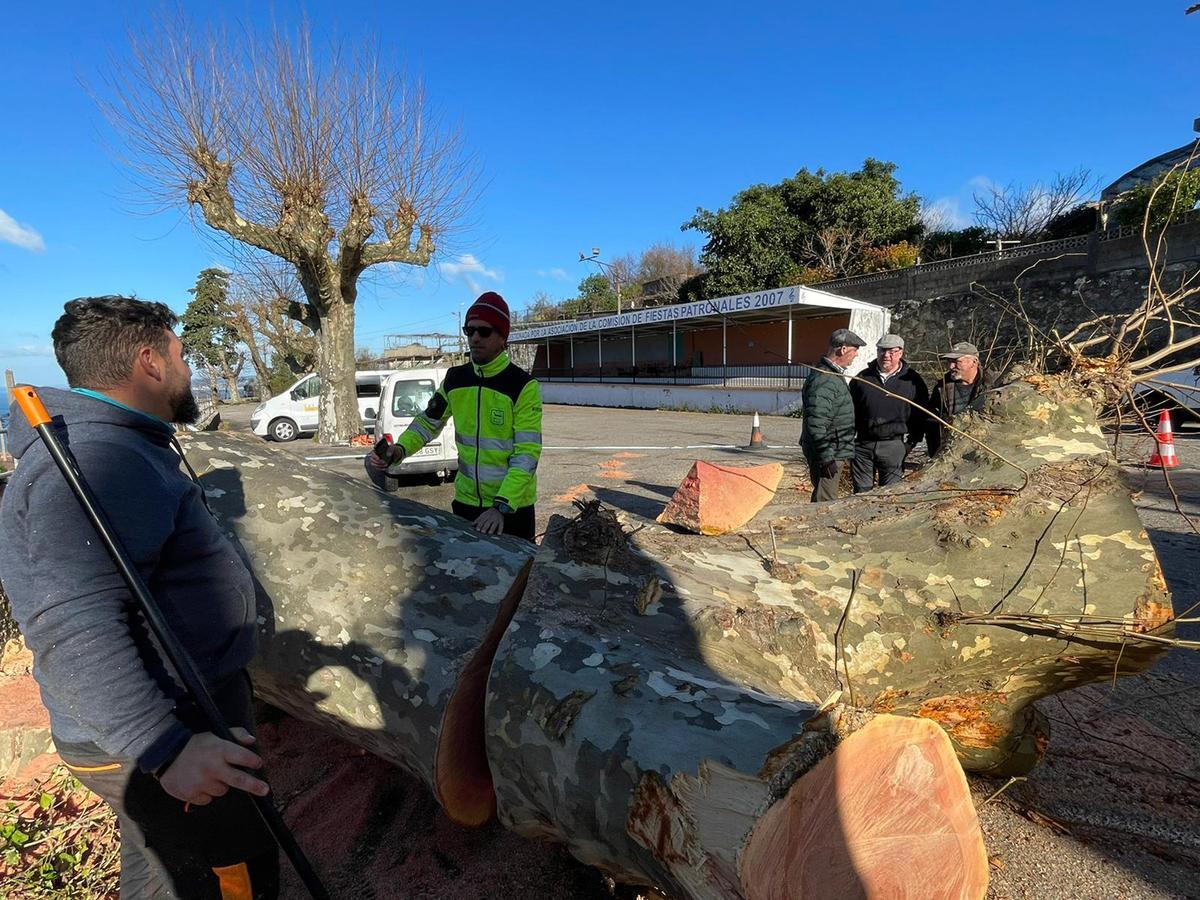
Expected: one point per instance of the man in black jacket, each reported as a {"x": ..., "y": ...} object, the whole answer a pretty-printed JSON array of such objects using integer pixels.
[
  {"x": 886, "y": 427},
  {"x": 960, "y": 390},
  {"x": 119, "y": 718}
]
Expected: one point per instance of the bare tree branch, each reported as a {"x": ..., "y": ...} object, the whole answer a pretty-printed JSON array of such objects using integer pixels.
[
  {"x": 330, "y": 159},
  {"x": 1022, "y": 213}
]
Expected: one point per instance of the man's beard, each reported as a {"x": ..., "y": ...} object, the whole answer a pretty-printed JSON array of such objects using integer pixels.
[{"x": 184, "y": 408}]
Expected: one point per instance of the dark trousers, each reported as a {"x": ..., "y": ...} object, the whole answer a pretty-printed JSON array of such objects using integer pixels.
[
  {"x": 882, "y": 458},
  {"x": 824, "y": 489},
  {"x": 521, "y": 523},
  {"x": 170, "y": 851}
]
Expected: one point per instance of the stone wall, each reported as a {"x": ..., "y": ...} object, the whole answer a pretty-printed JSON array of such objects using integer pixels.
[{"x": 933, "y": 309}]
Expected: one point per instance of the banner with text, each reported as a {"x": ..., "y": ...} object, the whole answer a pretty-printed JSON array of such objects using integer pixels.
[{"x": 722, "y": 306}]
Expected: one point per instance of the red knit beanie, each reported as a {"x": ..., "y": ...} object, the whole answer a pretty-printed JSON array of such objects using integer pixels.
[{"x": 492, "y": 309}]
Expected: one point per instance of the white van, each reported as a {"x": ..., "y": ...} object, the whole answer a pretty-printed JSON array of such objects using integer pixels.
[
  {"x": 404, "y": 394},
  {"x": 292, "y": 413}
]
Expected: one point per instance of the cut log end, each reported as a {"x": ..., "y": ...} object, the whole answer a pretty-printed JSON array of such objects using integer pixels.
[
  {"x": 462, "y": 779},
  {"x": 887, "y": 814}
]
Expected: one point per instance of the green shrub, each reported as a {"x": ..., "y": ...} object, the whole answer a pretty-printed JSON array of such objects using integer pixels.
[{"x": 1178, "y": 194}]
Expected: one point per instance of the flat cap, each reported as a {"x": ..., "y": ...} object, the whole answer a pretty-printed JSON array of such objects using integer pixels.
[
  {"x": 844, "y": 337},
  {"x": 962, "y": 348},
  {"x": 890, "y": 342}
]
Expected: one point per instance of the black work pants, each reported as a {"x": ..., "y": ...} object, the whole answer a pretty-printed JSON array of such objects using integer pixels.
[
  {"x": 521, "y": 523},
  {"x": 172, "y": 851},
  {"x": 882, "y": 458}
]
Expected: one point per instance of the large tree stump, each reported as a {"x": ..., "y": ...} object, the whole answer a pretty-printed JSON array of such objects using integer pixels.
[{"x": 378, "y": 615}]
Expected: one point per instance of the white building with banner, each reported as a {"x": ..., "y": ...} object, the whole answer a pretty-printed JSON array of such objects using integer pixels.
[{"x": 745, "y": 352}]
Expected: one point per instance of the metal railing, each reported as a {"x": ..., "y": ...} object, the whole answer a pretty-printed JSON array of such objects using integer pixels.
[
  {"x": 786, "y": 377},
  {"x": 1044, "y": 248}
]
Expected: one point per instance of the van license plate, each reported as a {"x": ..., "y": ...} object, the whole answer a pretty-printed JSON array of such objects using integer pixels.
[{"x": 431, "y": 450}]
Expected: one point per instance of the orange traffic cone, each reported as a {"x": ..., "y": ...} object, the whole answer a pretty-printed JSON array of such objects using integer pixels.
[
  {"x": 756, "y": 441},
  {"x": 1164, "y": 449}
]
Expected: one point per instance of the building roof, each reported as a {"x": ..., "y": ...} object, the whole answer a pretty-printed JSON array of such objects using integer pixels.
[
  {"x": 759, "y": 306},
  {"x": 412, "y": 351},
  {"x": 1186, "y": 157}
]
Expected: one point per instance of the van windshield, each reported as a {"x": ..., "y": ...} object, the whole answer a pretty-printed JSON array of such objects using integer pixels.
[
  {"x": 411, "y": 397},
  {"x": 308, "y": 389}
]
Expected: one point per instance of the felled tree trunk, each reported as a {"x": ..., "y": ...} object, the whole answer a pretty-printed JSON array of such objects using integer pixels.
[
  {"x": 649, "y": 702},
  {"x": 674, "y": 707},
  {"x": 608, "y": 729},
  {"x": 378, "y": 615}
]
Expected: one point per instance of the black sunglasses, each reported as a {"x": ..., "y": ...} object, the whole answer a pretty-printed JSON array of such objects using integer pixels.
[{"x": 484, "y": 331}]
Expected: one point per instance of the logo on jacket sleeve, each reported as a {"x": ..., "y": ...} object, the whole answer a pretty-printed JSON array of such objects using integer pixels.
[{"x": 497, "y": 416}]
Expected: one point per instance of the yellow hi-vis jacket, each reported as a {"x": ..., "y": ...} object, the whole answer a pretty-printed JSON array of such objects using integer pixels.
[{"x": 497, "y": 410}]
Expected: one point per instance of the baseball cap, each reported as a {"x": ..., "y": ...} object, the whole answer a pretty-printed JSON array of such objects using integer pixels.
[
  {"x": 962, "y": 348},
  {"x": 844, "y": 337},
  {"x": 890, "y": 342}
]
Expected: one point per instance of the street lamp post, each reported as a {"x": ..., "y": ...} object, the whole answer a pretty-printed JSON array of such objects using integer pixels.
[{"x": 607, "y": 269}]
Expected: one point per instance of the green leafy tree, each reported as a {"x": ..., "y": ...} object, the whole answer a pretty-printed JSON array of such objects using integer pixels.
[
  {"x": 773, "y": 235},
  {"x": 596, "y": 294},
  {"x": 208, "y": 339},
  {"x": 1174, "y": 193}
]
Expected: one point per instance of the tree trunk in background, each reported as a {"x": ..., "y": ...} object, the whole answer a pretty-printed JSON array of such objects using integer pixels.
[
  {"x": 214, "y": 385},
  {"x": 340, "y": 419}
]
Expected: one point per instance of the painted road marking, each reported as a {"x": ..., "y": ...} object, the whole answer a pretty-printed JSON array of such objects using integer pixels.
[
  {"x": 552, "y": 447},
  {"x": 672, "y": 447}
]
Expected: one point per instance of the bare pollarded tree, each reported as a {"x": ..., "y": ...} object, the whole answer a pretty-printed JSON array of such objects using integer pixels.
[
  {"x": 1022, "y": 213},
  {"x": 331, "y": 160}
]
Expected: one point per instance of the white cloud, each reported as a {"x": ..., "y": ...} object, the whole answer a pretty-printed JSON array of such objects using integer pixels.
[
  {"x": 556, "y": 273},
  {"x": 956, "y": 210},
  {"x": 26, "y": 350},
  {"x": 13, "y": 232},
  {"x": 471, "y": 271},
  {"x": 945, "y": 212}
]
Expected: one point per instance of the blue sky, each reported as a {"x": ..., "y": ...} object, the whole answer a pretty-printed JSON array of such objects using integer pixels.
[{"x": 601, "y": 126}]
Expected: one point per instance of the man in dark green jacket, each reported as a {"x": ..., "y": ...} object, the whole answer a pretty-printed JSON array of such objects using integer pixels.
[{"x": 827, "y": 435}]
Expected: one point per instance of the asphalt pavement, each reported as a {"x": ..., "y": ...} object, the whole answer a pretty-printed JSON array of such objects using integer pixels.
[{"x": 631, "y": 459}]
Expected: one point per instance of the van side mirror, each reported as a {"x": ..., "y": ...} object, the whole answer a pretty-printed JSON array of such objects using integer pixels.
[
  {"x": 370, "y": 413},
  {"x": 295, "y": 394}
]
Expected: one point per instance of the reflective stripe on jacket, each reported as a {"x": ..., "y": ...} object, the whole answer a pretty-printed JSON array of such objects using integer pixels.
[{"x": 497, "y": 411}]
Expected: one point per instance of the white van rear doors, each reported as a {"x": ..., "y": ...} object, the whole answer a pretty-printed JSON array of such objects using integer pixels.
[{"x": 405, "y": 397}]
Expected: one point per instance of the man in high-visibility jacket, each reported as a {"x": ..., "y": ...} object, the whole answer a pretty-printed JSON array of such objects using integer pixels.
[{"x": 497, "y": 410}]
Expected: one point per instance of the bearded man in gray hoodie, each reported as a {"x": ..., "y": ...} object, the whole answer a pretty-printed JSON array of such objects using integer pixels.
[{"x": 120, "y": 719}]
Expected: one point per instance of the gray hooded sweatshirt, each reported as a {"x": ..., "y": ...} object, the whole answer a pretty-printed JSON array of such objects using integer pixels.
[{"x": 103, "y": 678}]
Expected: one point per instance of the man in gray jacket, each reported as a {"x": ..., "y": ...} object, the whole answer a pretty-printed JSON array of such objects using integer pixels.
[
  {"x": 827, "y": 435},
  {"x": 119, "y": 718}
]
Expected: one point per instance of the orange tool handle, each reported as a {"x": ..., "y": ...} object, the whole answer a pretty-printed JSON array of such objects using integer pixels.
[{"x": 31, "y": 405}]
